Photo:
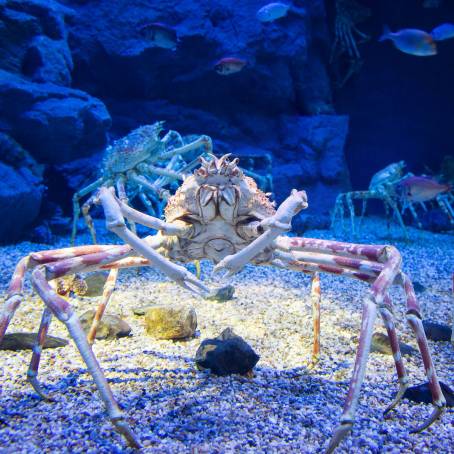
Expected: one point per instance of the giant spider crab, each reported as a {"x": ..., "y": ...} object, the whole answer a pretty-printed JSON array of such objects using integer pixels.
[
  {"x": 390, "y": 186},
  {"x": 140, "y": 164},
  {"x": 219, "y": 214}
]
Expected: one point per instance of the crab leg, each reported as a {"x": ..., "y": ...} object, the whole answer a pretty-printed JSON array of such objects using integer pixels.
[
  {"x": 202, "y": 141},
  {"x": 374, "y": 299},
  {"x": 172, "y": 135},
  {"x": 88, "y": 219},
  {"x": 315, "y": 298},
  {"x": 386, "y": 311},
  {"x": 32, "y": 373},
  {"x": 275, "y": 224},
  {"x": 14, "y": 295},
  {"x": 109, "y": 287},
  {"x": 115, "y": 222},
  {"x": 336, "y": 248},
  {"x": 351, "y": 209},
  {"x": 147, "y": 203},
  {"x": 415, "y": 321},
  {"x": 65, "y": 313},
  {"x": 76, "y": 207},
  {"x": 124, "y": 198}
]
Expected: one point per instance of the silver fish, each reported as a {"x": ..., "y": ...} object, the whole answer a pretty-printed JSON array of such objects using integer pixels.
[
  {"x": 161, "y": 35},
  {"x": 272, "y": 12},
  {"x": 442, "y": 32},
  {"x": 411, "y": 41}
]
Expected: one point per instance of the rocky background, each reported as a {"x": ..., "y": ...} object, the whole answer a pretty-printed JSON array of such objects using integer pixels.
[{"x": 76, "y": 74}]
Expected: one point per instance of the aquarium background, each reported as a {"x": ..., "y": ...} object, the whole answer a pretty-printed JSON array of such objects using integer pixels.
[{"x": 75, "y": 75}]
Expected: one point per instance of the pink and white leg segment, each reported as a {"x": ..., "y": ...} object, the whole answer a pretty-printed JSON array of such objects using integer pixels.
[{"x": 380, "y": 266}]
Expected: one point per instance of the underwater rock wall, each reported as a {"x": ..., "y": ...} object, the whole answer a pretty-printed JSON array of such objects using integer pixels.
[{"x": 75, "y": 74}]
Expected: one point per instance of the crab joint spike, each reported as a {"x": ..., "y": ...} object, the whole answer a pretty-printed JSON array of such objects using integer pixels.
[
  {"x": 340, "y": 433},
  {"x": 437, "y": 412}
]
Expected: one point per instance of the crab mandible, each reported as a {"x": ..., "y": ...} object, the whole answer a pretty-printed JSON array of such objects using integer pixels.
[
  {"x": 130, "y": 166},
  {"x": 219, "y": 214}
]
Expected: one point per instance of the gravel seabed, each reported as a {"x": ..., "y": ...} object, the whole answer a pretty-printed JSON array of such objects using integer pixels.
[{"x": 285, "y": 407}]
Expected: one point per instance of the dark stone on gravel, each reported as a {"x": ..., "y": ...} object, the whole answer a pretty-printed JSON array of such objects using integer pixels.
[
  {"x": 26, "y": 341},
  {"x": 418, "y": 287},
  {"x": 437, "y": 331},
  {"x": 110, "y": 327},
  {"x": 226, "y": 354},
  {"x": 380, "y": 344},
  {"x": 222, "y": 294},
  {"x": 421, "y": 394}
]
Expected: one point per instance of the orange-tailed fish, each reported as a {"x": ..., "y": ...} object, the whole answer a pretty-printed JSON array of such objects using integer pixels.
[
  {"x": 442, "y": 32},
  {"x": 229, "y": 65},
  {"x": 161, "y": 35},
  {"x": 272, "y": 12},
  {"x": 422, "y": 189},
  {"x": 411, "y": 41}
]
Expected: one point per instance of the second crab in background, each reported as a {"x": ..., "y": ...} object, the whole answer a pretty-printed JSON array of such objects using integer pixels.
[{"x": 142, "y": 164}]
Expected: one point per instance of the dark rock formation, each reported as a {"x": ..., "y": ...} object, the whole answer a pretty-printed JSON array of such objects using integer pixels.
[
  {"x": 20, "y": 202},
  {"x": 276, "y": 105},
  {"x": 55, "y": 124},
  {"x": 437, "y": 331},
  {"x": 421, "y": 394},
  {"x": 226, "y": 354}
]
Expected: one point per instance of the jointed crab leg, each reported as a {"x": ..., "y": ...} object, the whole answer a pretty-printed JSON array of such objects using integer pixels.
[
  {"x": 315, "y": 298},
  {"x": 64, "y": 312},
  {"x": 386, "y": 311},
  {"x": 76, "y": 207},
  {"x": 373, "y": 299},
  {"x": 109, "y": 287},
  {"x": 274, "y": 226},
  {"x": 414, "y": 319},
  {"x": 32, "y": 373},
  {"x": 88, "y": 219},
  {"x": 115, "y": 222},
  {"x": 202, "y": 141},
  {"x": 379, "y": 265},
  {"x": 14, "y": 295}
]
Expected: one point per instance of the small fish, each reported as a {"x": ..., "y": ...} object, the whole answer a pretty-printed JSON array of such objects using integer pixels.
[
  {"x": 161, "y": 35},
  {"x": 422, "y": 189},
  {"x": 229, "y": 65},
  {"x": 272, "y": 12},
  {"x": 442, "y": 32},
  {"x": 411, "y": 41}
]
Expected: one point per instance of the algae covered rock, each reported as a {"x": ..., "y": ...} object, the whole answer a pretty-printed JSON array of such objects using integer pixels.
[
  {"x": 26, "y": 341},
  {"x": 170, "y": 322},
  {"x": 110, "y": 327},
  {"x": 226, "y": 354},
  {"x": 380, "y": 344}
]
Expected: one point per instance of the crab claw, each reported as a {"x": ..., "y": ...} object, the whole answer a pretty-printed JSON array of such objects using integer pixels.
[{"x": 221, "y": 271}]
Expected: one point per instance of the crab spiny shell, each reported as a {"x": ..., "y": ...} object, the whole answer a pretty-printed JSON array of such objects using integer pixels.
[
  {"x": 218, "y": 172},
  {"x": 134, "y": 148}
]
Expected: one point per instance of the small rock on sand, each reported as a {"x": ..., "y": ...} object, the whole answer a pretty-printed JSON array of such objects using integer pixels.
[
  {"x": 110, "y": 327},
  {"x": 380, "y": 344},
  {"x": 26, "y": 341},
  {"x": 226, "y": 354},
  {"x": 170, "y": 322}
]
